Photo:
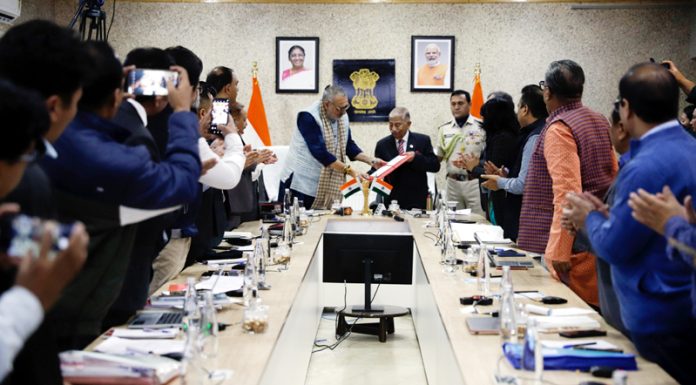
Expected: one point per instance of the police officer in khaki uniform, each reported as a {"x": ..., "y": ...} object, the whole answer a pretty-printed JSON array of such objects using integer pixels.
[{"x": 461, "y": 136}]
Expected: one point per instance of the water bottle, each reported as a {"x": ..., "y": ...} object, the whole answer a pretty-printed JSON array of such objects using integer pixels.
[
  {"x": 250, "y": 279},
  {"x": 209, "y": 327},
  {"x": 296, "y": 212},
  {"x": 532, "y": 357},
  {"x": 508, "y": 327},
  {"x": 191, "y": 313},
  {"x": 266, "y": 241},
  {"x": 482, "y": 276},
  {"x": 449, "y": 257},
  {"x": 287, "y": 229},
  {"x": 442, "y": 223},
  {"x": 521, "y": 318},
  {"x": 443, "y": 242},
  {"x": 287, "y": 202},
  {"x": 260, "y": 260}
]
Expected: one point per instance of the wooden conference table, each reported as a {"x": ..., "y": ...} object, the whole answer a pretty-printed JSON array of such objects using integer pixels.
[{"x": 451, "y": 355}]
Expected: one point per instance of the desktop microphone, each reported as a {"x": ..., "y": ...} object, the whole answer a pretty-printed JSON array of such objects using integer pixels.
[{"x": 398, "y": 218}]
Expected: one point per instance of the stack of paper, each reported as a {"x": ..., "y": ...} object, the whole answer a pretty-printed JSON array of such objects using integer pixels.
[
  {"x": 238, "y": 234},
  {"x": 221, "y": 283},
  {"x": 558, "y": 312},
  {"x": 128, "y": 346},
  {"x": 80, "y": 367},
  {"x": 553, "y": 324},
  {"x": 166, "y": 333},
  {"x": 486, "y": 233}
]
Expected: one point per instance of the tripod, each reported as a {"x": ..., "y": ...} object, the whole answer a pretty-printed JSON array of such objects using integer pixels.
[{"x": 90, "y": 11}]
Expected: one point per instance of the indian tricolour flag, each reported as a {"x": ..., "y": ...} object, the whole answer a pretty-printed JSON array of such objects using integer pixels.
[
  {"x": 381, "y": 187},
  {"x": 350, "y": 188}
]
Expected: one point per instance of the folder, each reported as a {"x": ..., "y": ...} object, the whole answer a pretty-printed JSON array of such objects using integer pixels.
[{"x": 572, "y": 359}]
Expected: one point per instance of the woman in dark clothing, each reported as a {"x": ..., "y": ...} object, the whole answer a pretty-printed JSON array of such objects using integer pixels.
[{"x": 502, "y": 130}]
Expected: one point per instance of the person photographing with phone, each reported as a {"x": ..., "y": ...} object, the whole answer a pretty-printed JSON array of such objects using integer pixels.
[
  {"x": 97, "y": 173},
  {"x": 40, "y": 276}
]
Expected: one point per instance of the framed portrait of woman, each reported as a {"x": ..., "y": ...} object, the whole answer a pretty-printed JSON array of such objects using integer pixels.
[
  {"x": 432, "y": 63},
  {"x": 297, "y": 64}
]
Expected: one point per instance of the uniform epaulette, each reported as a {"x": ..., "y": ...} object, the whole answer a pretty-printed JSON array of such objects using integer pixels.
[{"x": 449, "y": 122}]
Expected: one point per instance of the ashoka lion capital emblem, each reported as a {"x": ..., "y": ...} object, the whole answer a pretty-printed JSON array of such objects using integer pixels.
[{"x": 364, "y": 82}]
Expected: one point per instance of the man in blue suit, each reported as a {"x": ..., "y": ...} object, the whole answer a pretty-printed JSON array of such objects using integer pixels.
[
  {"x": 409, "y": 180},
  {"x": 654, "y": 291}
]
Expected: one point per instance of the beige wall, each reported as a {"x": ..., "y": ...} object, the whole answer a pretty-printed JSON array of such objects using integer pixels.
[
  {"x": 513, "y": 42},
  {"x": 33, "y": 9}
]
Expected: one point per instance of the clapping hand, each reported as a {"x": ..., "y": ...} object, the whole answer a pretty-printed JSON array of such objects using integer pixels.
[
  {"x": 654, "y": 210},
  {"x": 491, "y": 182},
  {"x": 578, "y": 207},
  {"x": 466, "y": 161},
  {"x": 491, "y": 169}
]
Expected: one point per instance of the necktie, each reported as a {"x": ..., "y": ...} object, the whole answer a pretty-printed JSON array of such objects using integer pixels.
[{"x": 401, "y": 147}]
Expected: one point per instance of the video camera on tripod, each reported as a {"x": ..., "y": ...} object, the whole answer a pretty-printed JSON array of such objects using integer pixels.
[{"x": 90, "y": 11}]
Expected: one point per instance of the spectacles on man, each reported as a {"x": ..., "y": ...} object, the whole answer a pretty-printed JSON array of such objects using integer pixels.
[
  {"x": 542, "y": 84},
  {"x": 617, "y": 103},
  {"x": 341, "y": 109}
]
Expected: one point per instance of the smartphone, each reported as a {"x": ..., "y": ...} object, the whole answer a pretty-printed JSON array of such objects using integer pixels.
[
  {"x": 220, "y": 115},
  {"x": 21, "y": 235},
  {"x": 583, "y": 333},
  {"x": 149, "y": 82}
]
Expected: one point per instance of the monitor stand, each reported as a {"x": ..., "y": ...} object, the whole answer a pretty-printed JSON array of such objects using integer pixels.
[
  {"x": 385, "y": 314},
  {"x": 367, "y": 278}
]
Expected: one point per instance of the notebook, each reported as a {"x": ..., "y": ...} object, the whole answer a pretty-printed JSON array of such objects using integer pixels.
[{"x": 483, "y": 325}]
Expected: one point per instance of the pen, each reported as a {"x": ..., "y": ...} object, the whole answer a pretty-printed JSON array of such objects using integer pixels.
[
  {"x": 590, "y": 349},
  {"x": 526, "y": 291},
  {"x": 576, "y": 345}
]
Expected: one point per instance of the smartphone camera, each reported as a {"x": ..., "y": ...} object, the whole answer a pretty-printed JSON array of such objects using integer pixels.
[
  {"x": 220, "y": 115},
  {"x": 148, "y": 82},
  {"x": 21, "y": 235}
]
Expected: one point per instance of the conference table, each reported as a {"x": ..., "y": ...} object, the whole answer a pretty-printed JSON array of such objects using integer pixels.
[{"x": 450, "y": 353}]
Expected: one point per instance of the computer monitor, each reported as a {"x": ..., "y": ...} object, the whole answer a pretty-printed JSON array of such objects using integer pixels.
[{"x": 385, "y": 258}]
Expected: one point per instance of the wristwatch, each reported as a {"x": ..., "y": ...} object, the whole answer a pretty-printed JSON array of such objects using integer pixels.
[{"x": 346, "y": 169}]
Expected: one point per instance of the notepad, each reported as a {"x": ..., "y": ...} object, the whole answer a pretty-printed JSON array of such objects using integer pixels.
[
  {"x": 487, "y": 233},
  {"x": 127, "y": 346},
  {"x": 81, "y": 367},
  {"x": 221, "y": 284},
  {"x": 553, "y": 324},
  {"x": 557, "y": 312},
  {"x": 238, "y": 234},
  {"x": 167, "y": 333}
]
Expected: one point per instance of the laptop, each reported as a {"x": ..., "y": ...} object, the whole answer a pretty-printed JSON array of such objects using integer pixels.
[
  {"x": 513, "y": 262},
  {"x": 156, "y": 319}
]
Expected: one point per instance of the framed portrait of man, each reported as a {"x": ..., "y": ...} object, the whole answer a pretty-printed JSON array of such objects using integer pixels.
[
  {"x": 432, "y": 63},
  {"x": 297, "y": 64}
]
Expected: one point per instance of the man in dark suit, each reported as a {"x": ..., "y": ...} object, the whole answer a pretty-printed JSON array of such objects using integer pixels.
[{"x": 409, "y": 180}]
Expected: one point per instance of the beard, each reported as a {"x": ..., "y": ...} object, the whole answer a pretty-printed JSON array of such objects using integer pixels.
[{"x": 433, "y": 62}]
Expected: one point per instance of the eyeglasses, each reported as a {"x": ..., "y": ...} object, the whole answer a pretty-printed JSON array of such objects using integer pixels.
[
  {"x": 617, "y": 103},
  {"x": 341, "y": 109},
  {"x": 542, "y": 84}
]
